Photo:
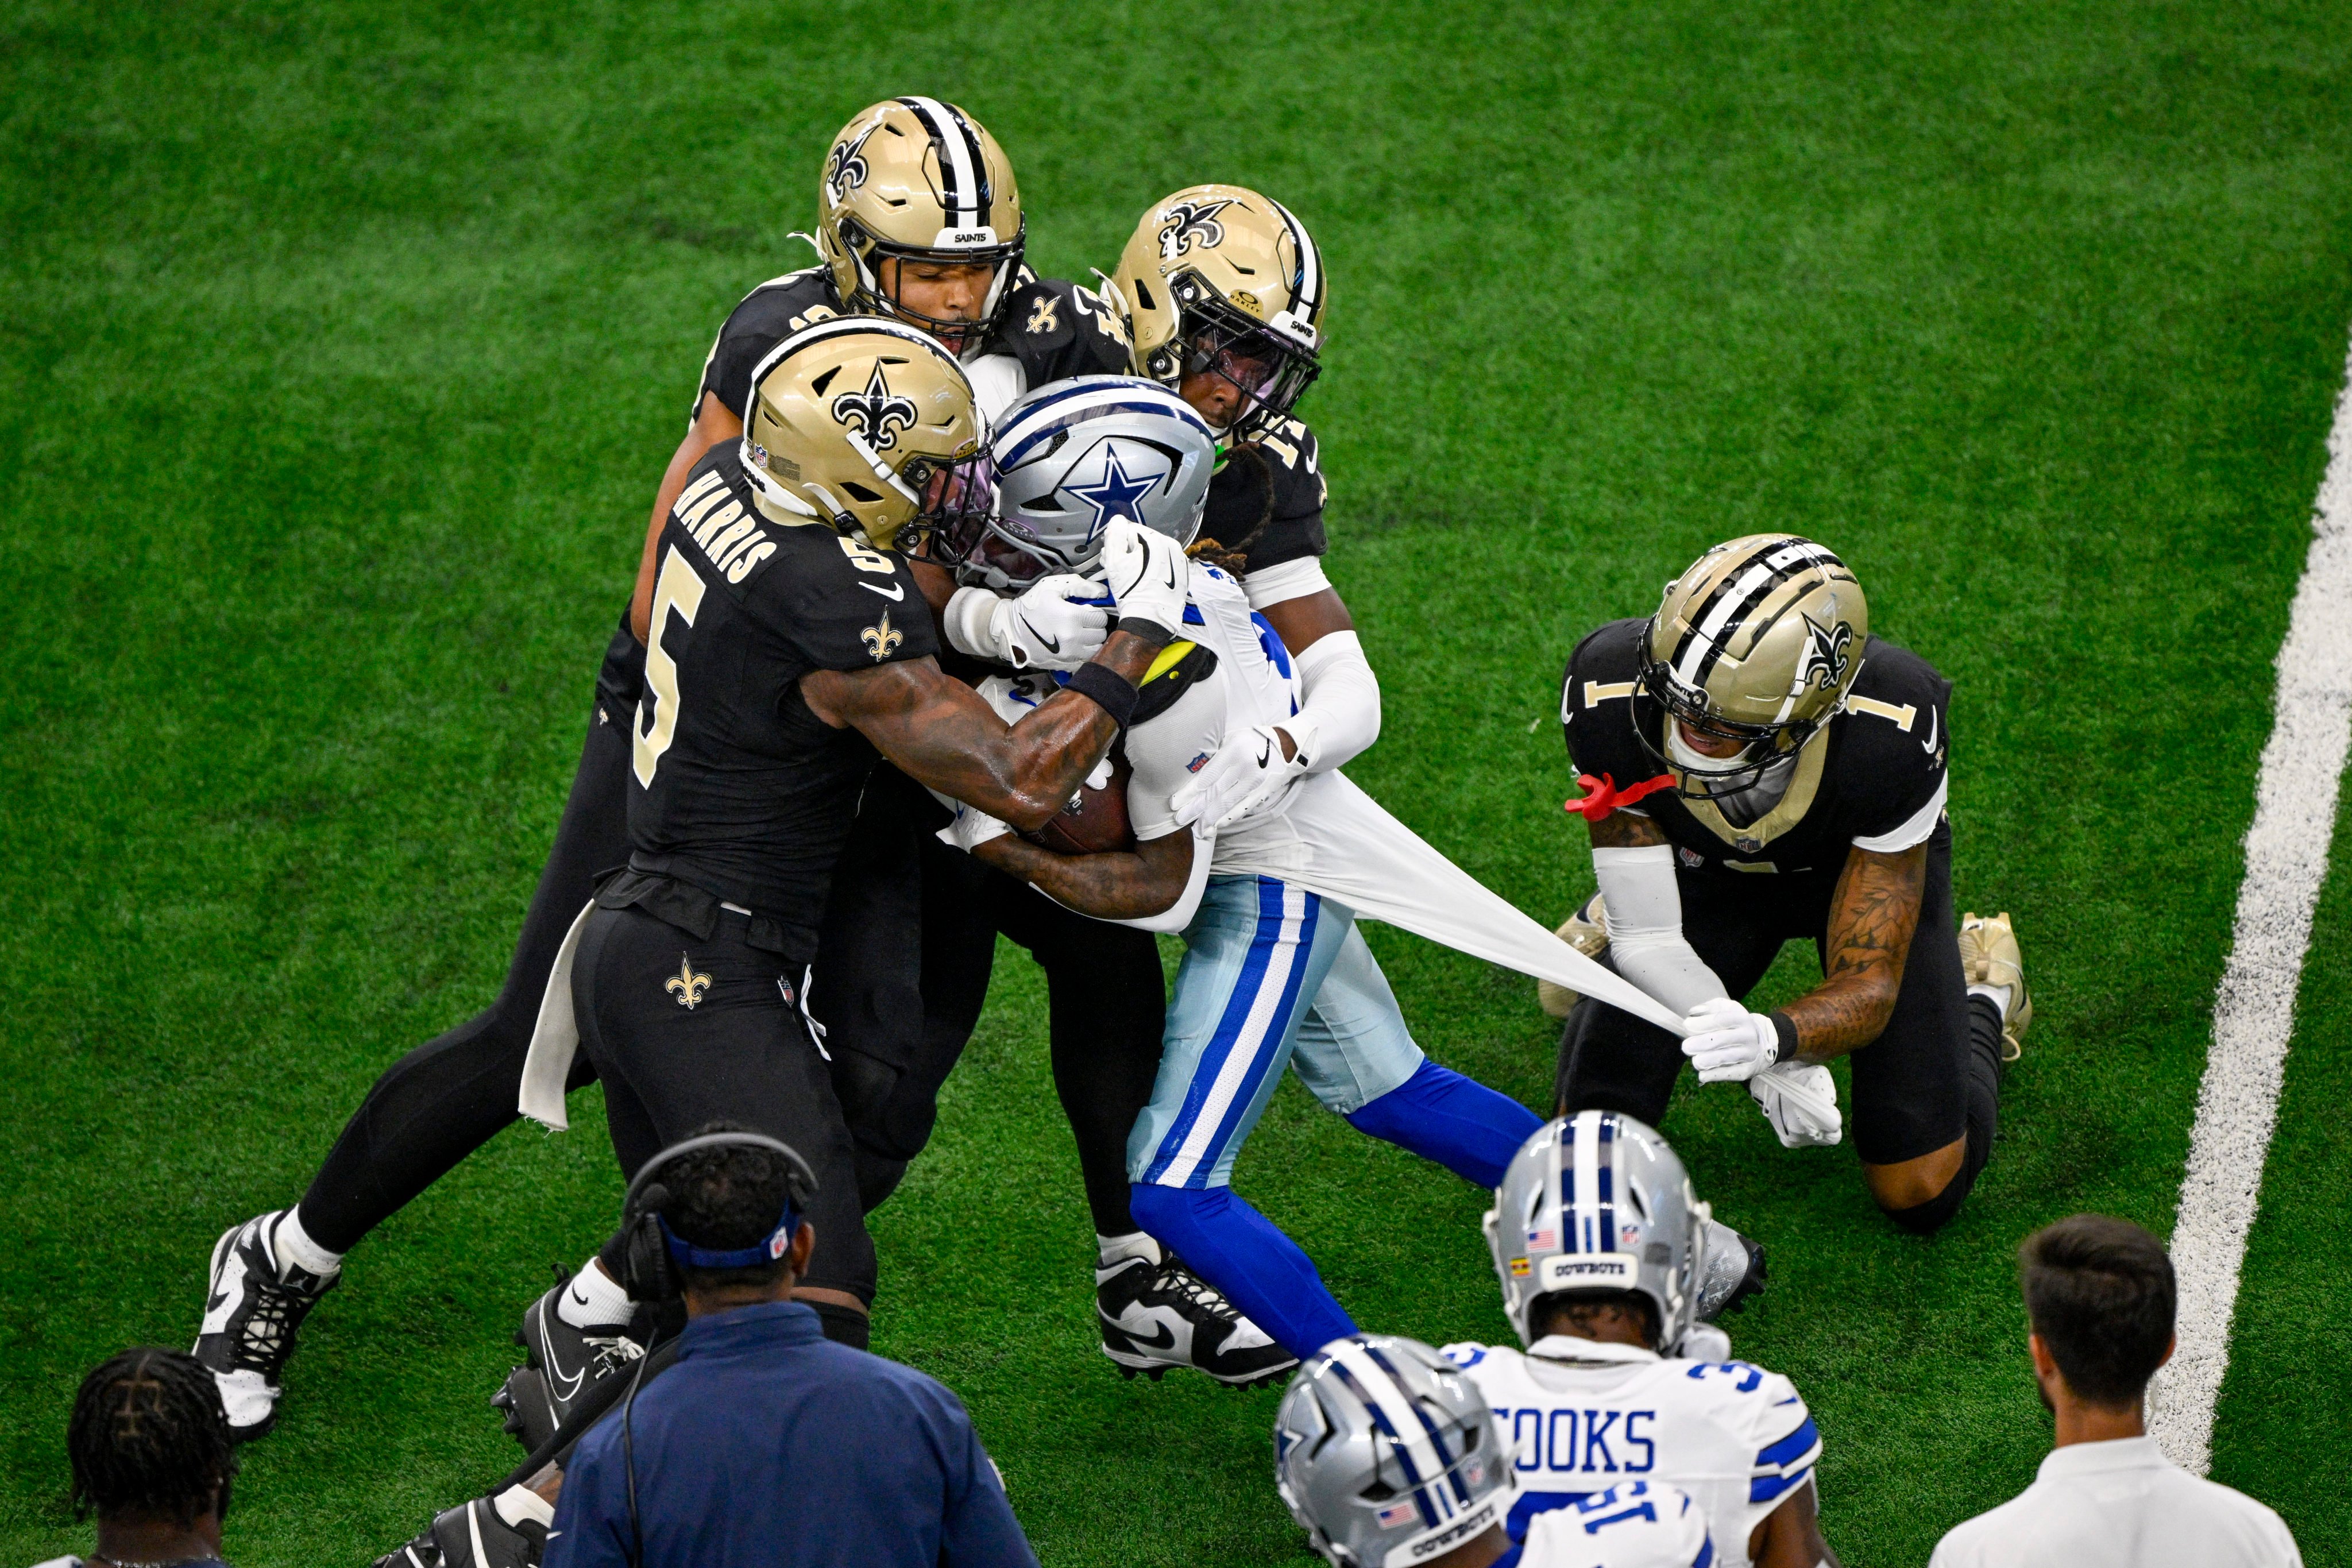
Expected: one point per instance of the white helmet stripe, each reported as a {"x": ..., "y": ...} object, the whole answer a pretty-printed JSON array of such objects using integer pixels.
[
  {"x": 1581, "y": 1221},
  {"x": 1308, "y": 297},
  {"x": 963, "y": 170},
  {"x": 1424, "y": 1467}
]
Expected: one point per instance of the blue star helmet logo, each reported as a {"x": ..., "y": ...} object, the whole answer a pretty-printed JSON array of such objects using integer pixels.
[{"x": 1117, "y": 493}]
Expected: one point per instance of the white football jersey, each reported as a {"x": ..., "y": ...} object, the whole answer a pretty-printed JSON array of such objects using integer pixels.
[
  {"x": 1634, "y": 1524},
  {"x": 1581, "y": 1416}
]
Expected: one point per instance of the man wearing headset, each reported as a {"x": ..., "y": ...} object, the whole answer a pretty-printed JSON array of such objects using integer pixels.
[{"x": 765, "y": 1441}]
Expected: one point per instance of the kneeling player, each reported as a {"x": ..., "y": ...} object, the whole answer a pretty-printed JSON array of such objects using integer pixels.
[
  {"x": 1599, "y": 1243},
  {"x": 1789, "y": 771}
]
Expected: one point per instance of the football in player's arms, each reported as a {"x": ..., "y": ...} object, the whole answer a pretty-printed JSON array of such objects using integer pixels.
[
  {"x": 1758, "y": 767},
  {"x": 1594, "y": 1232}
]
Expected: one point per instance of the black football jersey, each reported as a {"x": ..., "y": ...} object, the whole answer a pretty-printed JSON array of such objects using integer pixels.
[
  {"x": 736, "y": 787},
  {"x": 1877, "y": 767},
  {"x": 1265, "y": 499},
  {"x": 766, "y": 317},
  {"x": 1057, "y": 329}
]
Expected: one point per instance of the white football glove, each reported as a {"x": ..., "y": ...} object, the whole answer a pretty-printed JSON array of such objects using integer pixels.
[
  {"x": 1728, "y": 1043},
  {"x": 1800, "y": 1102},
  {"x": 1247, "y": 775},
  {"x": 1147, "y": 573},
  {"x": 1051, "y": 625},
  {"x": 970, "y": 828}
]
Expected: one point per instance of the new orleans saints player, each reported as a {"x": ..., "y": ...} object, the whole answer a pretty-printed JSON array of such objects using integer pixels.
[
  {"x": 1759, "y": 768},
  {"x": 790, "y": 646}
]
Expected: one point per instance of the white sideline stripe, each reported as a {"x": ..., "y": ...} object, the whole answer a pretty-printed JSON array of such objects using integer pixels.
[{"x": 2253, "y": 1014}]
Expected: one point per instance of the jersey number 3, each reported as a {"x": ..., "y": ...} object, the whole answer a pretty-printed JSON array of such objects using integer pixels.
[{"x": 679, "y": 589}]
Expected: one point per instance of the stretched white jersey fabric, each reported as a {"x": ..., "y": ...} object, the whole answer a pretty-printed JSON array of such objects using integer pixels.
[
  {"x": 1329, "y": 837},
  {"x": 1583, "y": 1417}
]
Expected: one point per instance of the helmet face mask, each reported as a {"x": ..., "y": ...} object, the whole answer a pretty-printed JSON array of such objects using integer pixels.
[
  {"x": 1069, "y": 459},
  {"x": 1759, "y": 642},
  {"x": 1219, "y": 279},
  {"x": 911, "y": 181}
]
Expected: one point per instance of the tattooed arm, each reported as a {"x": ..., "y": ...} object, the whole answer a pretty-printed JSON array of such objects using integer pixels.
[{"x": 1871, "y": 920}]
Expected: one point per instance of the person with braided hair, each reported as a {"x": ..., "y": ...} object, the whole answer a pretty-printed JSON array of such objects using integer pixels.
[{"x": 152, "y": 1459}]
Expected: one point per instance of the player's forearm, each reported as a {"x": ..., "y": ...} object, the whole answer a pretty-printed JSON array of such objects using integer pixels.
[
  {"x": 1111, "y": 887},
  {"x": 1340, "y": 707},
  {"x": 1028, "y": 773},
  {"x": 1873, "y": 918}
]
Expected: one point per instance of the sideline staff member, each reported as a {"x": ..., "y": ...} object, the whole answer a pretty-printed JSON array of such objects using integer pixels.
[
  {"x": 2099, "y": 1293},
  {"x": 767, "y": 1443}
]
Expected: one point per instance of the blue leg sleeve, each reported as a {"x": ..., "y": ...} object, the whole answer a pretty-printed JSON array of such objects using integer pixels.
[
  {"x": 1459, "y": 1122},
  {"x": 1255, "y": 1266}
]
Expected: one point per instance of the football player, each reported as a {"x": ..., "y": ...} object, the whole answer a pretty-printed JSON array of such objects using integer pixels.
[
  {"x": 1598, "y": 1240},
  {"x": 1758, "y": 767},
  {"x": 786, "y": 652},
  {"x": 1255, "y": 988},
  {"x": 919, "y": 219}
]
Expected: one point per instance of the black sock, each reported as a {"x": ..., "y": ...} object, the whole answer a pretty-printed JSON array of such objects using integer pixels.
[
  {"x": 1984, "y": 1070},
  {"x": 844, "y": 1325}
]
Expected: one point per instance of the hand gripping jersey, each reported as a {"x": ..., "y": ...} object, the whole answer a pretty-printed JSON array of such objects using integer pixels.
[
  {"x": 735, "y": 786},
  {"x": 1583, "y": 1417},
  {"x": 1874, "y": 776},
  {"x": 1050, "y": 331}
]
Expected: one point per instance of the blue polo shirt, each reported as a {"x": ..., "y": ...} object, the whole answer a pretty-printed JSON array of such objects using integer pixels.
[{"x": 767, "y": 1444}]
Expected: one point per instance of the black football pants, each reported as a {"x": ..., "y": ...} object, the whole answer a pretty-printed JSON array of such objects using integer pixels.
[
  {"x": 685, "y": 1030},
  {"x": 453, "y": 1094},
  {"x": 1923, "y": 1082},
  {"x": 1107, "y": 996}
]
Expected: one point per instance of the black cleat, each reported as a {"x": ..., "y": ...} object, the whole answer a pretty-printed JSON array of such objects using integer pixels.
[
  {"x": 566, "y": 1366},
  {"x": 1154, "y": 1316},
  {"x": 478, "y": 1535},
  {"x": 256, "y": 1305}
]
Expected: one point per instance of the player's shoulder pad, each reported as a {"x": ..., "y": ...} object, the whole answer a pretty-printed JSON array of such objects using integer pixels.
[
  {"x": 1046, "y": 316},
  {"x": 1603, "y": 667},
  {"x": 1897, "y": 708},
  {"x": 791, "y": 292},
  {"x": 1761, "y": 1409},
  {"x": 1295, "y": 463},
  {"x": 1471, "y": 1356}
]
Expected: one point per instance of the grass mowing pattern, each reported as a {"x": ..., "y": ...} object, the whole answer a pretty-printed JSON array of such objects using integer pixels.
[{"x": 342, "y": 347}]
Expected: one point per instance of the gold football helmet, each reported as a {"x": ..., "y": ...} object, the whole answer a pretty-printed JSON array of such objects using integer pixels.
[
  {"x": 913, "y": 179},
  {"x": 1759, "y": 642},
  {"x": 1221, "y": 278},
  {"x": 868, "y": 425}
]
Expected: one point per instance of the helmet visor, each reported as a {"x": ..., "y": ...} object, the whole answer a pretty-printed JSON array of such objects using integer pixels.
[
  {"x": 1270, "y": 373},
  {"x": 958, "y": 497}
]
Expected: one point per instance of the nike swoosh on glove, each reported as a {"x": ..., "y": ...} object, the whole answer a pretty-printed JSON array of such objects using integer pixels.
[
  {"x": 1800, "y": 1102},
  {"x": 1147, "y": 573},
  {"x": 1728, "y": 1043},
  {"x": 970, "y": 828},
  {"x": 1058, "y": 623},
  {"x": 1247, "y": 775}
]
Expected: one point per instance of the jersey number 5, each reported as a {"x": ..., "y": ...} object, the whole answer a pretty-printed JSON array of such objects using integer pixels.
[{"x": 678, "y": 588}]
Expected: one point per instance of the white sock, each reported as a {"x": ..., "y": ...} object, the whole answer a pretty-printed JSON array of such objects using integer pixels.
[
  {"x": 1110, "y": 1249},
  {"x": 518, "y": 1503},
  {"x": 1997, "y": 994},
  {"x": 592, "y": 1300},
  {"x": 293, "y": 1245}
]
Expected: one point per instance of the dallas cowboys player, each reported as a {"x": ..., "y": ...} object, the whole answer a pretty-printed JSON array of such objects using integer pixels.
[
  {"x": 1253, "y": 989},
  {"x": 1596, "y": 1238}
]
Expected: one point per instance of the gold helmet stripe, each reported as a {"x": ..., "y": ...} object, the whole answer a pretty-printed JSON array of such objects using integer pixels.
[
  {"x": 962, "y": 168},
  {"x": 1740, "y": 595}
]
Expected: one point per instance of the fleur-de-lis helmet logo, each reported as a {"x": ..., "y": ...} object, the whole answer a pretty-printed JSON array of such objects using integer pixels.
[
  {"x": 686, "y": 985},
  {"x": 844, "y": 166},
  {"x": 1824, "y": 659},
  {"x": 1182, "y": 224},
  {"x": 877, "y": 412}
]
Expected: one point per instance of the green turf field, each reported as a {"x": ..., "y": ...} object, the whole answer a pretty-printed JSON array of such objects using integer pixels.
[{"x": 341, "y": 346}]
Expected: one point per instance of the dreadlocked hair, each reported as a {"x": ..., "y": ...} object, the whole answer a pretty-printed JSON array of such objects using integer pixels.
[
  {"x": 1231, "y": 563},
  {"x": 149, "y": 1436},
  {"x": 727, "y": 1198}
]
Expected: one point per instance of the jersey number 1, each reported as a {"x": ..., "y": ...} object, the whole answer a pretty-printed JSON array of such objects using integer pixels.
[{"x": 678, "y": 588}]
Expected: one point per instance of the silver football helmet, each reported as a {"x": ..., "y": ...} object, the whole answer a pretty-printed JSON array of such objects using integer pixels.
[
  {"x": 1386, "y": 1455},
  {"x": 1597, "y": 1201},
  {"x": 1068, "y": 459}
]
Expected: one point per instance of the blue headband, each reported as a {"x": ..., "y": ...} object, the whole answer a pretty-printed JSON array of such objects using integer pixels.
[{"x": 685, "y": 1255}]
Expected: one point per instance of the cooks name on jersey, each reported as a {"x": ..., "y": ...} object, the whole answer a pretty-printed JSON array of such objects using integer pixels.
[
  {"x": 723, "y": 527},
  {"x": 1590, "y": 1442}
]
